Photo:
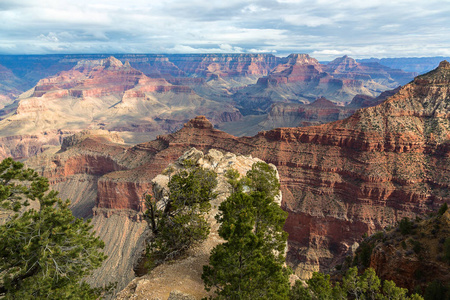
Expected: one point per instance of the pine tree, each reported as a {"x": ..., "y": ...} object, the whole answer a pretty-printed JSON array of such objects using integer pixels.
[
  {"x": 45, "y": 252},
  {"x": 181, "y": 223},
  {"x": 250, "y": 264},
  {"x": 365, "y": 287}
]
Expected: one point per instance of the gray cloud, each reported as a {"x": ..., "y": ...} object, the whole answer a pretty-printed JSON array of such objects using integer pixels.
[{"x": 323, "y": 28}]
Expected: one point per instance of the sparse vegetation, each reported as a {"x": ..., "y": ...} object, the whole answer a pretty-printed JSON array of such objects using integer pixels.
[
  {"x": 405, "y": 226},
  {"x": 443, "y": 209},
  {"x": 447, "y": 250}
]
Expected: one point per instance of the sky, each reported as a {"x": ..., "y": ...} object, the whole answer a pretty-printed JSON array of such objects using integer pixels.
[{"x": 325, "y": 29}]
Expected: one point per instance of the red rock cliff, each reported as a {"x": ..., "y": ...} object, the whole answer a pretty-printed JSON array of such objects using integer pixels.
[{"x": 339, "y": 180}]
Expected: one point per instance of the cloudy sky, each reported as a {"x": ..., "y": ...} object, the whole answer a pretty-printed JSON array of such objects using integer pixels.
[{"x": 323, "y": 28}]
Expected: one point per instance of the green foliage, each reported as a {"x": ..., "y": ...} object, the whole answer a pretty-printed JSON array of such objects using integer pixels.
[
  {"x": 378, "y": 235},
  {"x": 403, "y": 243},
  {"x": 45, "y": 253},
  {"x": 391, "y": 291},
  {"x": 363, "y": 255},
  {"x": 436, "y": 291},
  {"x": 181, "y": 222},
  {"x": 15, "y": 189},
  {"x": 417, "y": 246},
  {"x": 353, "y": 286},
  {"x": 320, "y": 286},
  {"x": 249, "y": 265},
  {"x": 447, "y": 250},
  {"x": 405, "y": 226},
  {"x": 443, "y": 209},
  {"x": 299, "y": 291}
]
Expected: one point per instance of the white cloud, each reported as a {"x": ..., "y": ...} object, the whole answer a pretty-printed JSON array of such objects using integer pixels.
[
  {"x": 306, "y": 20},
  {"x": 326, "y": 28}
]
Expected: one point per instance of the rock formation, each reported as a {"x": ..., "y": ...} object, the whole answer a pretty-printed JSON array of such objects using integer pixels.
[
  {"x": 225, "y": 65},
  {"x": 339, "y": 180},
  {"x": 318, "y": 112},
  {"x": 143, "y": 95},
  {"x": 80, "y": 170},
  {"x": 102, "y": 94},
  {"x": 300, "y": 78},
  {"x": 347, "y": 67}
]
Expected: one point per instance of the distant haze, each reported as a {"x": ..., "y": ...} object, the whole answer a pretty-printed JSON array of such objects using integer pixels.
[{"x": 323, "y": 28}]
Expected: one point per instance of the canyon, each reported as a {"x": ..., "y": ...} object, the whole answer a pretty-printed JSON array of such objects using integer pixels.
[
  {"x": 339, "y": 180},
  {"x": 47, "y": 98}
]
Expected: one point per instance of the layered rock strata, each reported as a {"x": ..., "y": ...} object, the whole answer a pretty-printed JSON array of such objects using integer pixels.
[
  {"x": 300, "y": 78},
  {"x": 225, "y": 65},
  {"x": 339, "y": 180},
  {"x": 101, "y": 94}
]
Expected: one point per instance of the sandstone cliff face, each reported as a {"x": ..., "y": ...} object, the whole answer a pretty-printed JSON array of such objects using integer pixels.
[
  {"x": 155, "y": 66},
  {"x": 23, "y": 146},
  {"x": 142, "y": 96},
  {"x": 75, "y": 169},
  {"x": 318, "y": 112}
]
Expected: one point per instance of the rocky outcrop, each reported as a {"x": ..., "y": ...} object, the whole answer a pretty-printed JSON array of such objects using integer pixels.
[
  {"x": 320, "y": 111},
  {"x": 23, "y": 146},
  {"x": 297, "y": 68},
  {"x": 124, "y": 233},
  {"x": 184, "y": 274},
  {"x": 300, "y": 78},
  {"x": 142, "y": 96},
  {"x": 154, "y": 66},
  {"x": 75, "y": 169}
]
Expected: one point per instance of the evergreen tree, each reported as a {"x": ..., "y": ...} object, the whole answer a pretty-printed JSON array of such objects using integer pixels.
[
  {"x": 250, "y": 264},
  {"x": 44, "y": 253},
  {"x": 181, "y": 223},
  {"x": 367, "y": 286}
]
